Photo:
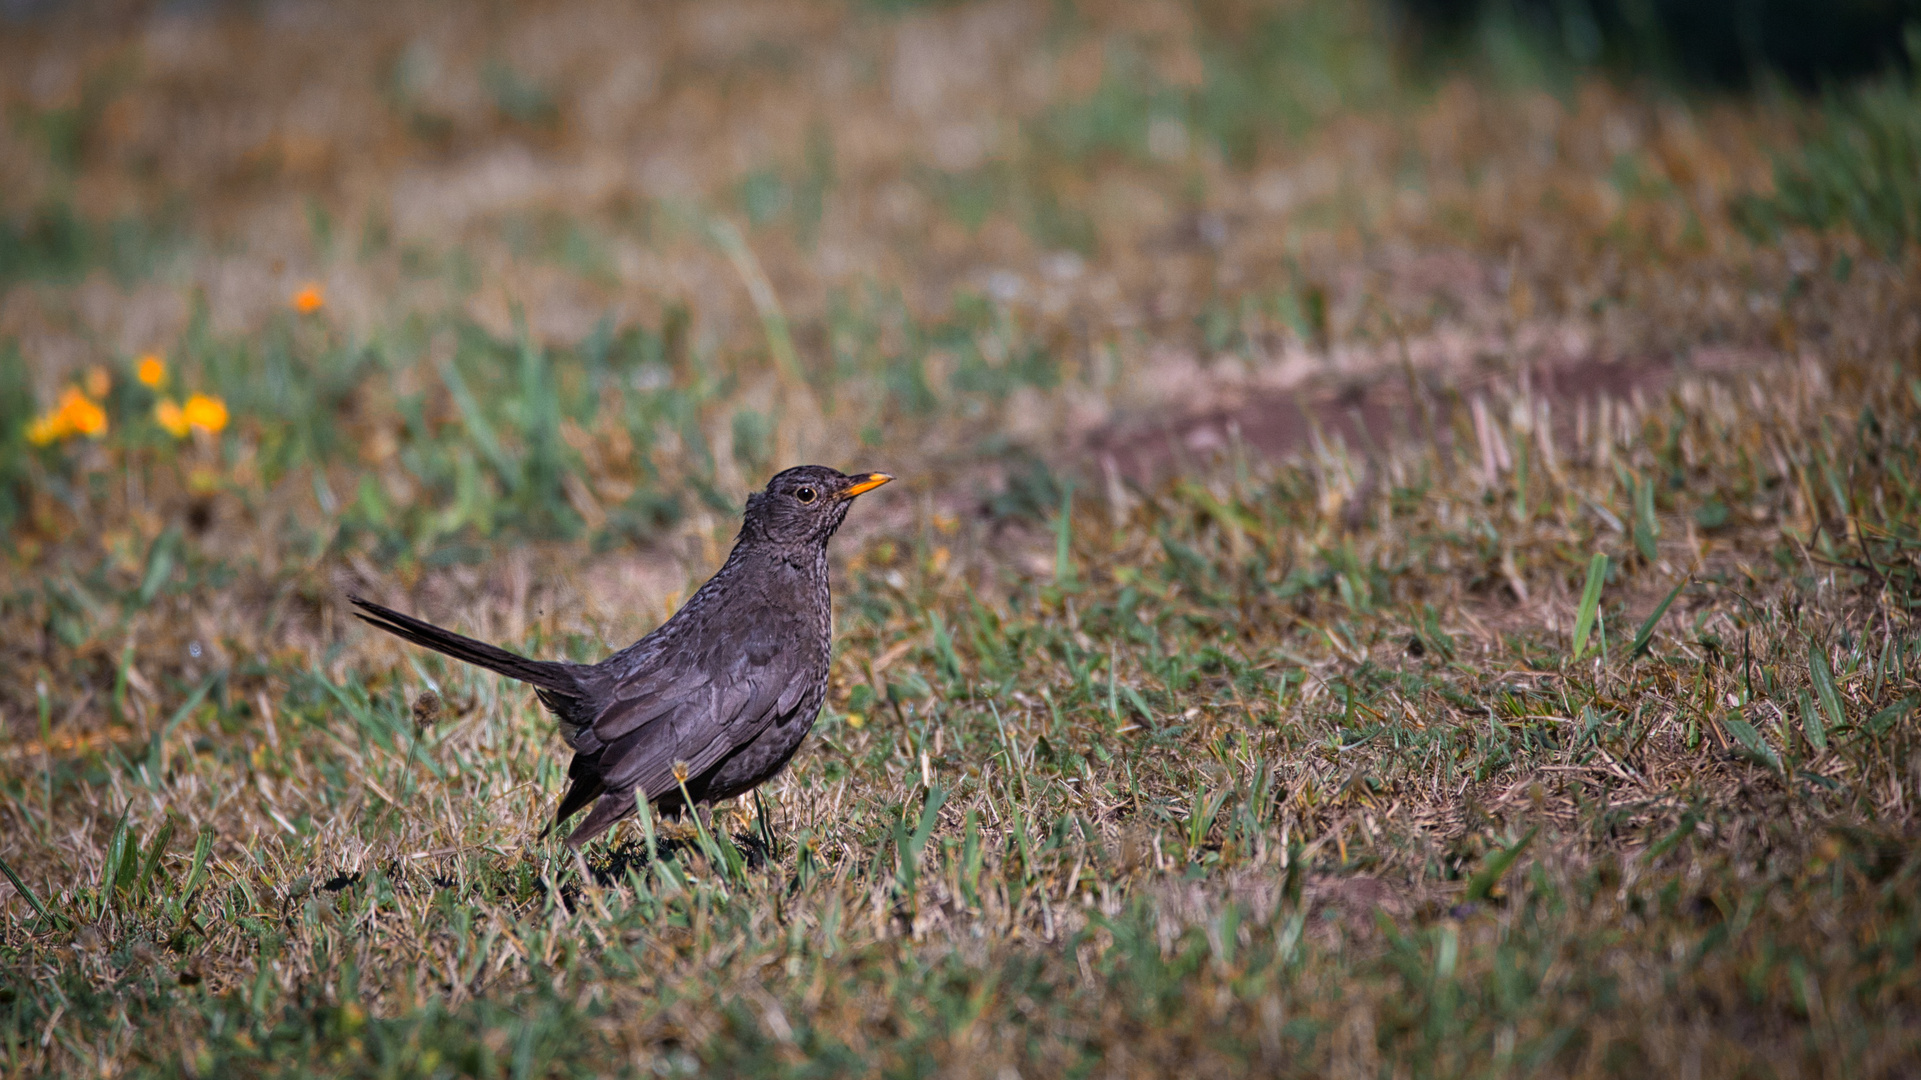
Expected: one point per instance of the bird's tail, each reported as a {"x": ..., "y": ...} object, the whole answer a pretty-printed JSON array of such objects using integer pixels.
[{"x": 553, "y": 680}]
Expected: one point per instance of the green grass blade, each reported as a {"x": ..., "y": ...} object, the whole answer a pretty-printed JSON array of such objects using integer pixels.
[
  {"x": 1063, "y": 540},
  {"x": 33, "y": 899},
  {"x": 707, "y": 845},
  {"x": 1824, "y": 687},
  {"x": 155, "y": 852},
  {"x": 118, "y": 702},
  {"x": 766, "y": 825},
  {"x": 773, "y": 317},
  {"x": 908, "y": 846},
  {"x": 1667, "y": 843},
  {"x": 111, "y": 871},
  {"x": 1597, "y": 571},
  {"x": 1014, "y": 764},
  {"x": 1817, "y": 732},
  {"x": 1881, "y": 721},
  {"x": 645, "y": 811},
  {"x": 160, "y": 560},
  {"x": 179, "y": 716},
  {"x": 1645, "y": 636},
  {"x": 1646, "y": 528},
  {"x": 1195, "y": 827},
  {"x": 1498, "y": 864},
  {"x": 1752, "y": 744},
  {"x": 731, "y": 858},
  {"x": 929, "y": 817},
  {"x": 202, "y": 848},
  {"x": 44, "y": 703},
  {"x": 1113, "y": 679},
  {"x": 477, "y": 426}
]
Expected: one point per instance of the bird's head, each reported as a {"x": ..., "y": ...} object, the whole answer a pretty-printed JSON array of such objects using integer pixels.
[{"x": 805, "y": 504}]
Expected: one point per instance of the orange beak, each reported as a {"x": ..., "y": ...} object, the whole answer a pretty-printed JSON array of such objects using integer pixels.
[{"x": 873, "y": 481}]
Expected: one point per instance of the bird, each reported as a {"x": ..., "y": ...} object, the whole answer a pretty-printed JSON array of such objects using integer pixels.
[{"x": 716, "y": 700}]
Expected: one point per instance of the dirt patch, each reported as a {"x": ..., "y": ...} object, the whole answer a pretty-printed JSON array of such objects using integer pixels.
[{"x": 1368, "y": 401}]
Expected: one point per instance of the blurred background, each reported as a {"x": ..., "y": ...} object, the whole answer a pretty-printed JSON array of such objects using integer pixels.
[
  {"x": 287, "y": 287},
  {"x": 1720, "y": 44}
]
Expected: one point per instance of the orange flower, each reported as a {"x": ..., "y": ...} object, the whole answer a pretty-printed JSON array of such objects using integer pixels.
[
  {"x": 168, "y": 414},
  {"x": 74, "y": 414},
  {"x": 309, "y": 299},
  {"x": 205, "y": 412},
  {"x": 81, "y": 414},
  {"x": 98, "y": 382},
  {"x": 151, "y": 370}
]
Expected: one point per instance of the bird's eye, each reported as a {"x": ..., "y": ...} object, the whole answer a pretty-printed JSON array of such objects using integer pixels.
[{"x": 806, "y": 495}]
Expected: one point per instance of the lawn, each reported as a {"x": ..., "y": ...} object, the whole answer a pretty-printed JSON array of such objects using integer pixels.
[{"x": 1402, "y": 563}]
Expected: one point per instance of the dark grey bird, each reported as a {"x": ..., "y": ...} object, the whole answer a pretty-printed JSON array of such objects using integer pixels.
[{"x": 721, "y": 694}]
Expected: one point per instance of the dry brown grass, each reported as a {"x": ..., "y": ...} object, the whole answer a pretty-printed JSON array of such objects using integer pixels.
[{"x": 1346, "y": 411}]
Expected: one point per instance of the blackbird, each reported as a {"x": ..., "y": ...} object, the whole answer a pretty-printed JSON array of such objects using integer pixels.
[{"x": 721, "y": 694}]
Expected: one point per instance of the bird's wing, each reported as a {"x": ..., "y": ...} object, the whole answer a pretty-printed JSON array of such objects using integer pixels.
[{"x": 721, "y": 695}]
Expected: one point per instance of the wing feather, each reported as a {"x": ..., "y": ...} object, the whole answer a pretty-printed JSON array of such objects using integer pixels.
[{"x": 703, "y": 712}]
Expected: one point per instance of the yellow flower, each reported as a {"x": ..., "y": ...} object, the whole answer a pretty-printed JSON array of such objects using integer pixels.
[
  {"x": 98, "y": 382},
  {"x": 168, "y": 414},
  {"x": 151, "y": 370},
  {"x": 205, "y": 412},
  {"x": 46, "y": 429},
  {"x": 309, "y": 299},
  {"x": 81, "y": 414}
]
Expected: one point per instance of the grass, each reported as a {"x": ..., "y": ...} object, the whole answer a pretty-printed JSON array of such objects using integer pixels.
[
  {"x": 1556, "y": 717},
  {"x": 1856, "y": 170}
]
